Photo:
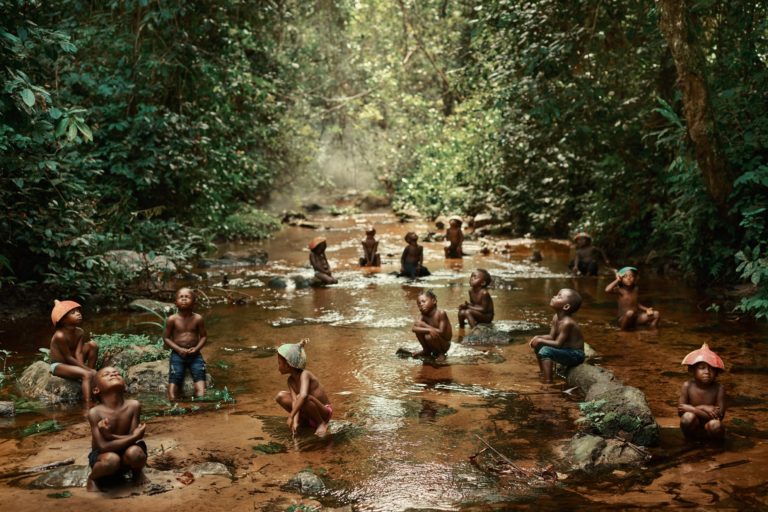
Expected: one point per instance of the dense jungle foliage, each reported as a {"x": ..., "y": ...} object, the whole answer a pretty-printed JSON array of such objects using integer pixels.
[{"x": 158, "y": 126}]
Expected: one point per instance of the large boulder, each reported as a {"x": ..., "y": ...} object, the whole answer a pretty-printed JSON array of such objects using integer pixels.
[
  {"x": 589, "y": 452},
  {"x": 622, "y": 412},
  {"x": 137, "y": 262},
  {"x": 142, "y": 305},
  {"x": 372, "y": 200},
  {"x": 152, "y": 377},
  {"x": 37, "y": 383},
  {"x": 584, "y": 450},
  {"x": 586, "y": 375}
]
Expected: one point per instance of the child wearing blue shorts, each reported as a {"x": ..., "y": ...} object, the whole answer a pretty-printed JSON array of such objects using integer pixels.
[
  {"x": 185, "y": 335},
  {"x": 564, "y": 344}
]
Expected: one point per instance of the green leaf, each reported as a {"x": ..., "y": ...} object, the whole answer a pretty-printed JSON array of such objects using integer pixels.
[
  {"x": 54, "y": 113},
  {"x": 61, "y": 127},
  {"x": 19, "y": 182},
  {"x": 85, "y": 130},
  {"x": 28, "y": 97}
]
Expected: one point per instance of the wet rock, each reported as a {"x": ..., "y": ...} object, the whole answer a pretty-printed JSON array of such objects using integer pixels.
[
  {"x": 7, "y": 409},
  {"x": 209, "y": 468},
  {"x": 535, "y": 256},
  {"x": 126, "y": 357},
  {"x": 487, "y": 334},
  {"x": 372, "y": 200},
  {"x": 289, "y": 216},
  {"x": 481, "y": 220},
  {"x": 307, "y": 482},
  {"x": 312, "y": 207},
  {"x": 586, "y": 375},
  {"x": 618, "y": 453},
  {"x": 623, "y": 412},
  {"x": 584, "y": 450},
  {"x": 37, "y": 383},
  {"x": 407, "y": 215},
  {"x": 236, "y": 259},
  {"x": 301, "y": 282},
  {"x": 277, "y": 283},
  {"x": 152, "y": 377},
  {"x": 142, "y": 305},
  {"x": 441, "y": 222},
  {"x": 137, "y": 262},
  {"x": 59, "y": 478}
]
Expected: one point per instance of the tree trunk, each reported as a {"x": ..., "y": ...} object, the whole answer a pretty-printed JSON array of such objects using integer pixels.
[{"x": 676, "y": 24}]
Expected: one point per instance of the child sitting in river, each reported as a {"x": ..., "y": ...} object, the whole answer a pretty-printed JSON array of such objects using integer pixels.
[
  {"x": 631, "y": 312},
  {"x": 319, "y": 262},
  {"x": 305, "y": 400},
  {"x": 412, "y": 259},
  {"x": 116, "y": 433},
  {"x": 454, "y": 238},
  {"x": 370, "y": 257},
  {"x": 185, "y": 335},
  {"x": 702, "y": 400},
  {"x": 71, "y": 356},
  {"x": 479, "y": 309},
  {"x": 564, "y": 344},
  {"x": 432, "y": 329},
  {"x": 587, "y": 256}
]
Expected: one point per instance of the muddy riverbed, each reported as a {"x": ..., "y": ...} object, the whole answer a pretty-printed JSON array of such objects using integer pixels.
[{"x": 403, "y": 431}]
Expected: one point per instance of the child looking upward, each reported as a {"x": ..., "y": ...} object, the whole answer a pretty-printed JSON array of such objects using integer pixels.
[
  {"x": 564, "y": 344},
  {"x": 116, "y": 434},
  {"x": 433, "y": 329},
  {"x": 702, "y": 400},
  {"x": 479, "y": 309},
  {"x": 185, "y": 335},
  {"x": 305, "y": 400},
  {"x": 71, "y": 357},
  {"x": 370, "y": 257},
  {"x": 319, "y": 262},
  {"x": 631, "y": 312},
  {"x": 454, "y": 238},
  {"x": 412, "y": 259}
]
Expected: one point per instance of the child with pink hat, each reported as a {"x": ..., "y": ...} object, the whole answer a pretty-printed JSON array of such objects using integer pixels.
[
  {"x": 71, "y": 356},
  {"x": 702, "y": 400}
]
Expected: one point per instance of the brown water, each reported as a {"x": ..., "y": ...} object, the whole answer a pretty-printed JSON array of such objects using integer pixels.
[{"x": 403, "y": 431}]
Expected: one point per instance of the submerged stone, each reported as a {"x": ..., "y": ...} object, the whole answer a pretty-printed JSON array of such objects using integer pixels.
[
  {"x": 487, "y": 334},
  {"x": 67, "y": 476},
  {"x": 584, "y": 450},
  {"x": 209, "y": 468},
  {"x": 306, "y": 482}
]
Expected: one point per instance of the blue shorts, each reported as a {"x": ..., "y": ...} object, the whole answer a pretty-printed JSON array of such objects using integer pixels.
[
  {"x": 179, "y": 364},
  {"x": 565, "y": 356}
]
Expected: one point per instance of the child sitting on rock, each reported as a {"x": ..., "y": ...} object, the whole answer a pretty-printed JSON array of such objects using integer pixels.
[
  {"x": 564, "y": 344},
  {"x": 71, "y": 356},
  {"x": 116, "y": 433},
  {"x": 479, "y": 309},
  {"x": 370, "y": 257},
  {"x": 631, "y": 312},
  {"x": 454, "y": 238},
  {"x": 702, "y": 400},
  {"x": 319, "y": 262},
  {"x": 412, "y": 259},
  {"x": 305, "y": 400}
]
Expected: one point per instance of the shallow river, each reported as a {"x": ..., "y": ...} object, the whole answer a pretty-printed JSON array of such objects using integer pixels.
[{"x": 403, "y": 431}]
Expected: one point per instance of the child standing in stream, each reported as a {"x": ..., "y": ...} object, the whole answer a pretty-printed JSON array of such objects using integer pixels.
[
  {"x": 305, "y": 400},
  {"x": 185, "y": 335}
]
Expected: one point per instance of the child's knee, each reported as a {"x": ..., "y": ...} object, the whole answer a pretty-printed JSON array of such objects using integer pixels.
[
  {"x": 135, "y": 457},
  {"x": 688, "y": 420},
  {"x": 714, "y": 428},
  {"x": 109, "y": 462},
  {"x": 282, "y": 396}
]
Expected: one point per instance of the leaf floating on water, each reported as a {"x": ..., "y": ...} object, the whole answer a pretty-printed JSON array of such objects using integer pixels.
[
  {"x": 270, "y": 448},
  {"x": 39, "y": 428},
  {"x": 59, "y": 495}
]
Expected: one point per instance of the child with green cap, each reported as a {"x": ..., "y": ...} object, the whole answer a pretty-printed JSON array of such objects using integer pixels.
[
  {"x": 631, "y": 312},
  {"x": 305, "y": 400}
]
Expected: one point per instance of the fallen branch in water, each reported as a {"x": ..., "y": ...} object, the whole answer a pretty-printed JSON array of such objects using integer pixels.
[
  {"x": 37, "y": 469},
  {"x": 502, "y": 465}
]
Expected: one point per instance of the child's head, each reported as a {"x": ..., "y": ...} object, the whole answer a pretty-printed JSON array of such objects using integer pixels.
[
  {"x": 704, "y": 364},
  {"x": 455, "y": 221},
  {"x": 481, "y": 277},
  {"x": 370, "y": 231},
  {"x": 628, "y": 275},
  {"x": 426, "y": 301},
  {"x": 566, "y": 300},
  {"x": 185, "y": 298},
  {"x": 66, "y": 312},
  {"x": 411, "y": 237},
  {"x": 582, "y": 239},
  {"x": 292, "y": 356},
  {"x": 108, "y": 379},
  {"x": 317, "y": 244}
]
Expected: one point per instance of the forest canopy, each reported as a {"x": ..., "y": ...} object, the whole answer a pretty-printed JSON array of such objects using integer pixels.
[{"x": 159, "y": 126}]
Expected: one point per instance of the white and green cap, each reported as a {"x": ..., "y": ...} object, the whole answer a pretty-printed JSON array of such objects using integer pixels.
[{"x": 294, "y": 354}]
